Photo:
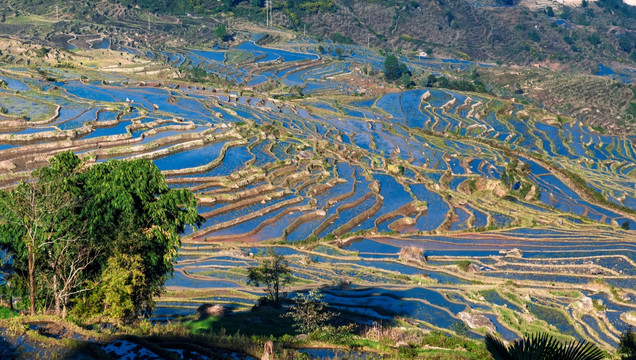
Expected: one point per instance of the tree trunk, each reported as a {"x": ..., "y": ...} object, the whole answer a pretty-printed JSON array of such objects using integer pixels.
[
  {"x": 56, "y": 295},
  {"x": 32, "y": 280}
]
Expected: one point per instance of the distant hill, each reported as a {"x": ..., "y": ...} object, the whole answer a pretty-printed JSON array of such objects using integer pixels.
[
  {"x": 509, "y": 31},
  {"x": 522, "y": 32},
  {"x": 491, "y": 31}
]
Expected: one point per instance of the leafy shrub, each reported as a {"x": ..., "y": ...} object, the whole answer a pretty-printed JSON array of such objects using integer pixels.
[
  {"x": 463, "y": 265},
  {"x": 534, "y": 36},
  {"x": 309, "y": 312},
  {"x": 341, "y": 335},
  {"x": 392, "y": 68},
  {"x": 6, "y": 313}
]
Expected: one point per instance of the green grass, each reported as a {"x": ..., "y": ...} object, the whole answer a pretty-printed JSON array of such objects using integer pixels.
[
  {"x": 570, "y": 294},
  {"x": 264, "y": 322},
  {"x": 29, "y": 20},
  {"x": 474, "y": 350},
  {"x": 6, "y": 313}
]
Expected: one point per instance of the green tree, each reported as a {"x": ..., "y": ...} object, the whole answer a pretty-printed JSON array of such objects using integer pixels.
[
  {"x": 542, "y": 347},
  {"x": 129, "y": 205},
  {"x": 70, "y": 252},
  {"x": 549, "y": 11},
  {"x": 431, "y": 79},
  {"x": 309, "y": 312},
  {"x": 442, "y": 81},
  {"x": 594, "y": 39},
  {"x": 392, "y": 68},
  {"x": 627, "y": 42},
  {"x": 63, "y": 225},
  {"x": 39, "y": 224},
  {"x": 338, "y": 51},
  {"x": 122, "y": 281},
  {"x": 222, "y": 33},
  {"x": 273, "y": 272},
  {"x": 406, "y": 79},
  {"x": 297, "y": 90},
  {"x": 534, "y": 36}
]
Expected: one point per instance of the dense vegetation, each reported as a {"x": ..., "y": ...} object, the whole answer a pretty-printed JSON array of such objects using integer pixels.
[
  {"x": 92, "y": 241},
  {"x": 393, "y": 69}
]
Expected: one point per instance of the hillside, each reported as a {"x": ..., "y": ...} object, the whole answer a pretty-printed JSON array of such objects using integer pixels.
[
  {"x": 528, "y": 33},
  {"x": 579, "y": 38},
  {"x": 179, "y": 180},
  {"x": 552, "y": 62}
]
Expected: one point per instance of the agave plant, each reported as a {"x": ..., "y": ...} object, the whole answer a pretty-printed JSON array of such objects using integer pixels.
[{"x": 542, "y": 346}]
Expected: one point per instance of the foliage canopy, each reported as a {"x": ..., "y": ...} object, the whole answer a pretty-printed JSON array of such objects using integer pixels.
[
  {"x": 309, "y": 311},
  {"x": 273, "y": 271},
  {"x": 91, "y": 228}
]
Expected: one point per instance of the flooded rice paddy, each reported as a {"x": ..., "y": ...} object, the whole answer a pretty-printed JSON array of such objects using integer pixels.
[{"x": 415, "y": 169}]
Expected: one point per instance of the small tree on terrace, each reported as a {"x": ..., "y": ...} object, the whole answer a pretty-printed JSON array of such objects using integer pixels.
[
  {"x": 392, "y": 68},
  {"x": 273, "y": 272},
  {"x": 406, "y": 79},
  {"x": 309, "y": 312}
]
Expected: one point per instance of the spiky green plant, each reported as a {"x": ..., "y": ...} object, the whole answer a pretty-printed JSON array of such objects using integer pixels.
[{"x": 542, "y": 346}]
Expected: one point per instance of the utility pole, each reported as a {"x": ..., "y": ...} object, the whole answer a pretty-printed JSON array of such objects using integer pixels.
[
  {"x": 57, "y": 13},
  {"x": 304, "y": 31},
  {"x": 148, "y": 22}
]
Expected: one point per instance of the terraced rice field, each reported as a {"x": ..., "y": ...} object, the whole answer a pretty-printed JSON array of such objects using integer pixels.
[{"x": 369, "y": 176}]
